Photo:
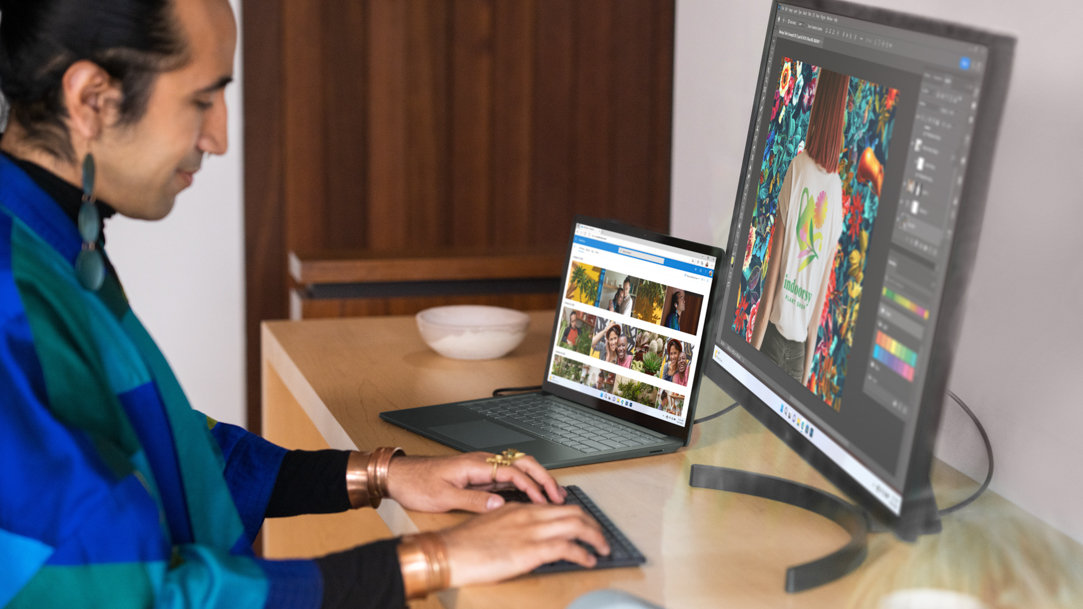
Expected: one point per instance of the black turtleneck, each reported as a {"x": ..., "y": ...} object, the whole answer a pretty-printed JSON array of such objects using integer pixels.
[{"x": 67, "y": 196}]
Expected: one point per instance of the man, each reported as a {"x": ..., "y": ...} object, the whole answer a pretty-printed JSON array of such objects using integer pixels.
[
  {"x": 115, "y": 492},
  {"x": 617, "y": 303},
  {"x": 571, "y": 333},
  {"x": 676, "y": 308},
  {"x": 624, "y": 357},
  {"x": 626, "y": 304}
]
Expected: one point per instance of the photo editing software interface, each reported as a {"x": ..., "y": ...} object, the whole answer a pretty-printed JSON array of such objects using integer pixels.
[
  {"x": 835, "y": 273},
  {"x": 632, "y": 322}
]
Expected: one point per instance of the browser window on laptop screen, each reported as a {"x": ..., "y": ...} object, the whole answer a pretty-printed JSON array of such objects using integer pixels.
[{"x": 631, "y": 324}]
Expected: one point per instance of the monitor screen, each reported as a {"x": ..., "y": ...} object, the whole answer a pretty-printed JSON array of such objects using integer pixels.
[{"x": 855, "y": 224}]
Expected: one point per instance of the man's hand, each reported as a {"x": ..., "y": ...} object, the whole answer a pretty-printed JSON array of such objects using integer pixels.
[
  {"x": 462, "y": 482},
  {"x": 518, "y": 538}
]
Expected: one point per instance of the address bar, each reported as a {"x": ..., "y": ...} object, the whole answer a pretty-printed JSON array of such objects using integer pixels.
[{"x": 641, "y": 255}]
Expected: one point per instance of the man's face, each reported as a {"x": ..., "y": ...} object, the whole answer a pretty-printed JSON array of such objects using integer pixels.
[
  {"x": 142, "y": 167},
  {"x": 622, "y": 347}
]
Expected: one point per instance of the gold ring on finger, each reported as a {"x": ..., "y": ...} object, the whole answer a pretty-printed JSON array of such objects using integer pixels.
[{"x": 507, "y": 457}]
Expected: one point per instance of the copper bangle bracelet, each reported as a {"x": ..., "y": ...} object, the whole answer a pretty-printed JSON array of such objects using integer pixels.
[
  {"x": 378, "y": 465},
  {"x": 424, "y": 563},
  {"x": 366, "y": 476}
]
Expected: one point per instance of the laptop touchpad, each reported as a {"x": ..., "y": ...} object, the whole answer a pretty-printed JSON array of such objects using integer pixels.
[{"x": 481, "y": 433}]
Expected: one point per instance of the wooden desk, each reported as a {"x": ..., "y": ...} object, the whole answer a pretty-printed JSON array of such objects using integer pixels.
[{"x": 325, "y": 381}]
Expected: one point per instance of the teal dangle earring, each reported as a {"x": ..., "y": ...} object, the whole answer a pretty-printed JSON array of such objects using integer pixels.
[{"x": 89, "y": 265}]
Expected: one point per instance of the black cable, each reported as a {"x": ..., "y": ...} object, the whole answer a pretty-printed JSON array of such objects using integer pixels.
[
  {"x": 506, "y": 390},
  {"x": 715, "y": 415},
  {"x": 988, "y": 452}
]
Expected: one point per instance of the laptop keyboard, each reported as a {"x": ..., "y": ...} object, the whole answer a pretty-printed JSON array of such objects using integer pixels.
[
  {"x": 560, "y": 423},
  {"x": 622, "y": 553}
]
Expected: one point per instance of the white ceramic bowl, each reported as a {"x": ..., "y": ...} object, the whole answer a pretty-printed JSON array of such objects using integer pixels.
[{"x": 472, "y": 331}]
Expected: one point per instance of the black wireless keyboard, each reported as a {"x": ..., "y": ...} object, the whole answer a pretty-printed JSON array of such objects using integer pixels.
[{"x": 622, "y": 552}]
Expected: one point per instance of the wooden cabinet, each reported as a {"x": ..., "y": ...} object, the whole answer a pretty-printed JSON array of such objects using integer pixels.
[
  {"x": 348, "y": 283},
  {"x": 390, "y": 125}
]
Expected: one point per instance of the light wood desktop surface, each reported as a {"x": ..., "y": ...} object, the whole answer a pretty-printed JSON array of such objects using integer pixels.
[{"x": 326, "y": 381}]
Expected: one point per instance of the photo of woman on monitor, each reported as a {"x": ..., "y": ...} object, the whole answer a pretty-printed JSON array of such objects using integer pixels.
[
  {"x": 797, "y": 271},
  {"x": 808, "y": 223}
]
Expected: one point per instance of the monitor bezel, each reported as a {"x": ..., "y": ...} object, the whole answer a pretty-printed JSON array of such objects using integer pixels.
[{"x": 918, "y": 507}]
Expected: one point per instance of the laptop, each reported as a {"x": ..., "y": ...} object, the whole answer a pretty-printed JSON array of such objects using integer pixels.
[{"x": 625, "y": 361}]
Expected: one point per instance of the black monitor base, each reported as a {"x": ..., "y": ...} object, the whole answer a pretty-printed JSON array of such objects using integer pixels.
[{"x": 850, "y": 517}]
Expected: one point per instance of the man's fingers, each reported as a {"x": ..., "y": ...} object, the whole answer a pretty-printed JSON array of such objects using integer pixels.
[
  {"x": 477, "y": 501},
  {"x": 566, "y": 522},
  {"x": 571, "y": 522},
  {"x": 574, "y": 552},
  {"x": 525, "y": 484},
  {"x": 537, "y": 477},
  {"x": 519, "y": 537}
]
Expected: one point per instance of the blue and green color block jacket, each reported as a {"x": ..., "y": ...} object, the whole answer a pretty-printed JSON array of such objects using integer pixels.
[{"x": 113, "y": 491}]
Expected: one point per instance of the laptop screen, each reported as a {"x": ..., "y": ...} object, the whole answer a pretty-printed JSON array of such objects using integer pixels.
[{"x": 631, "y": 323}]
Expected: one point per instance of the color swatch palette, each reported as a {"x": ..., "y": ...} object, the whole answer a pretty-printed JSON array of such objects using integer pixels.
[
  {"x": 906, "y": 303},
  {"x": 895, "y": 355}
]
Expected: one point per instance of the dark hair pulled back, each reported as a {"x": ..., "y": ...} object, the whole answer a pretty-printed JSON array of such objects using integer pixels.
[{"x": 132, "y": 40}]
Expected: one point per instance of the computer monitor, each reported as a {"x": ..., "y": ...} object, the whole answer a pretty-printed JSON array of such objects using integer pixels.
[{"x": 856, "y": 223}]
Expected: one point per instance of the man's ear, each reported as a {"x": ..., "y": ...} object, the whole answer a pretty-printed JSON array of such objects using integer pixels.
[{"x": 91, "y": 97}]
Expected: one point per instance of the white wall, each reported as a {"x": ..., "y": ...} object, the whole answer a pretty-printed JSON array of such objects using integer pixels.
[
  {"x": 184, "y": 275},
  {"x": 1019, "y": 362}
]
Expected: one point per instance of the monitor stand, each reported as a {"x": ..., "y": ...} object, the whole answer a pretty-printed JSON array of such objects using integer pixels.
[{"x": 853, "y": 519}]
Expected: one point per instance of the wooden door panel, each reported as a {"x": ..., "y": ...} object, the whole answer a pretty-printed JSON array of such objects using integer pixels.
[{"x": 387, "y": 124}]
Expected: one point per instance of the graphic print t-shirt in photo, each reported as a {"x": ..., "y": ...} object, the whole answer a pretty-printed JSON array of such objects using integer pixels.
[{"x": 810, "y": 203}]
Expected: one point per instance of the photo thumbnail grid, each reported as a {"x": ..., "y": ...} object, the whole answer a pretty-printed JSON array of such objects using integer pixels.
[
  {"x": 623, "y": 387},
  {"x": 648, "y": 355},
  {"x": 641, "y": 350},
  {"x": 623, "y": 294}
]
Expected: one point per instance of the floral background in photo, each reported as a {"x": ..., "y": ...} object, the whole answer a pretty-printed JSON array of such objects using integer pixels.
[{"x": 870, "y": 119}]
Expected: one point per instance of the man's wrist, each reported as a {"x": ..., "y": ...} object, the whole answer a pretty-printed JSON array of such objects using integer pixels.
[
  {"x": 424, "y": 563},
  {"x": 366, "y": 476}
]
